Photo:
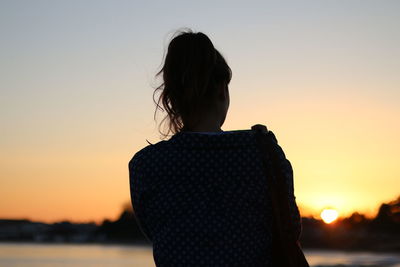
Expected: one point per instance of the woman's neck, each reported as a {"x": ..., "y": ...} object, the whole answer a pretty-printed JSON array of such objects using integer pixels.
[{"x": 206, "y": 127}]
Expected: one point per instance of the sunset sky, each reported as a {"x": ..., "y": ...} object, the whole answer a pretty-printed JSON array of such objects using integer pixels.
[{"x": 77, "y": 78}]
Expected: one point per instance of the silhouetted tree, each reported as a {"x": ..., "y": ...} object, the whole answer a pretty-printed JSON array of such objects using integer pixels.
[
  {"x": 388, "y": 218},
  {"x": 125, "y": 228}
]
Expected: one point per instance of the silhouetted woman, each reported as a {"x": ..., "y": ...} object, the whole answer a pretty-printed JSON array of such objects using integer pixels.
[{"x": 201, "y": 196}]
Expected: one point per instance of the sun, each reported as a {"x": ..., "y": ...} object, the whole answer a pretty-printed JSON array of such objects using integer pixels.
[{"x": 329, "y": 215}]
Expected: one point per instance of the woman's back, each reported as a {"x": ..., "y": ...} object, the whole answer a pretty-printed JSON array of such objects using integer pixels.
[{"x": 202, "y": 199}]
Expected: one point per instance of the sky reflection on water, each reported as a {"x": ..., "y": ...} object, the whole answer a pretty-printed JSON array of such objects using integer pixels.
[{"x": 35, "y": 255}]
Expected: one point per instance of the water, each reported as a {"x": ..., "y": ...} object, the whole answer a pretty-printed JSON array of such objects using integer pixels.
[{"x": 46, "y": 255}]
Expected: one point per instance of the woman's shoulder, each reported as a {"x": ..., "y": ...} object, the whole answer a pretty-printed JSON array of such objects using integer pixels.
[
  {"x": 183, "y": 140},
  {"x": 142, "y": 154}
]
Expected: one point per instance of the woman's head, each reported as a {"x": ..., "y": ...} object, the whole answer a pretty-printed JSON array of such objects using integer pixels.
[{"x": 195, "y": 81}]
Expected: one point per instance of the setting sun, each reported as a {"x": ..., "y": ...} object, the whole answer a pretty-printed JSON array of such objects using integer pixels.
[{"x": 329, "y": 215}]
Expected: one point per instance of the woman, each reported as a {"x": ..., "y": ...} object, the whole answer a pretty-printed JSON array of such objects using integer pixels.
[{"x": 201, "y": 196}]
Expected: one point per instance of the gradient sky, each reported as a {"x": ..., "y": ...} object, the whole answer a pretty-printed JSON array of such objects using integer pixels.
[{"x": 77, "y": 77}]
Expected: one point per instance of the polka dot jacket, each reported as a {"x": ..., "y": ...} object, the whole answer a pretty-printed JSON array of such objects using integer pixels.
[{"x": 201, "y": 199}]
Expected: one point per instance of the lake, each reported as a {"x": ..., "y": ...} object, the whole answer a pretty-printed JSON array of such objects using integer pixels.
[{"x": 46, "y": 255}]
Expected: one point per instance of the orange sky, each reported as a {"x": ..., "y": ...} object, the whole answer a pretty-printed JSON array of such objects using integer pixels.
[{"x": 76, "y": 98}]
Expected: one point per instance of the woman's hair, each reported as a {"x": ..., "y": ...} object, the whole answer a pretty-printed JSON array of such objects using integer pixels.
[{"x": 192, "y": 71}]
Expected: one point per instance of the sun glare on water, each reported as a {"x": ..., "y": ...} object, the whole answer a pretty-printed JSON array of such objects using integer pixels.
[{"x": 329, "y": 215}]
